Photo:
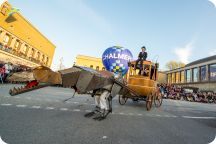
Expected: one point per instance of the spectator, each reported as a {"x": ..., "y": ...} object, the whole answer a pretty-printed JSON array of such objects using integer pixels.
[
  {"x": 8, "y": 68},
  {"x": 179, "y": 93}
]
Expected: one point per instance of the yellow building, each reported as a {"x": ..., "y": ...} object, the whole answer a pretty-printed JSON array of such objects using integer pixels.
[
  {"x": 21, "y": 43},
  {"x": 87, "y": 61}
]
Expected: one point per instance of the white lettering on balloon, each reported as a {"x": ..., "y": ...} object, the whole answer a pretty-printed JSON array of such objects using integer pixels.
[{"x": 115, "y": 56}]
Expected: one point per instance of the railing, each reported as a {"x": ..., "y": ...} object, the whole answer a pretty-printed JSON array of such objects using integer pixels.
[
  {"x": 149, "y": 70},
  {"x": 19, "y": 54}
]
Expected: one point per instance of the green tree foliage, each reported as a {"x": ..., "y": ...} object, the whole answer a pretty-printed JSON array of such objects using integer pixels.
[{"x": 174, "y": 64}]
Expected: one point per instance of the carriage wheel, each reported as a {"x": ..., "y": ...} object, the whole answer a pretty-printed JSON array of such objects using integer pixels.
[
  {"x": 149, "y": 100},
  {"x": 158, "y": 100},
  {"x": 122, "y": 100}
]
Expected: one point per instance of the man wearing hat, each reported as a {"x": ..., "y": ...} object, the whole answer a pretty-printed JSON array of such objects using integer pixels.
[{"x": 141, "y": 57}]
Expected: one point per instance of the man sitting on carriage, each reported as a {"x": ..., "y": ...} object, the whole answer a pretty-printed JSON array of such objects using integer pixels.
[{"x": 141, "y": 57}]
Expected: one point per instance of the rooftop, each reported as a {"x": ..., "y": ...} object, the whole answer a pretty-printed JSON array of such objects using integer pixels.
[{"x": 202, "y": 60}]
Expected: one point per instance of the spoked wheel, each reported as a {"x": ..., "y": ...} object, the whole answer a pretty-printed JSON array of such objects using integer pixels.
[
  {"x": 122, "y": 100},
  {"x": 158, "y": 100},
  {"x": 149, "y": 100}
]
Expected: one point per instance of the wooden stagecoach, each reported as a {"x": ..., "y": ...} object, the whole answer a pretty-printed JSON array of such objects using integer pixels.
[{"x": 142, "y": 85}]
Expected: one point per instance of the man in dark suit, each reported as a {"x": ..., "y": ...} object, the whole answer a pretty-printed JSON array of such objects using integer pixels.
[{"x": 142, "y": 57}]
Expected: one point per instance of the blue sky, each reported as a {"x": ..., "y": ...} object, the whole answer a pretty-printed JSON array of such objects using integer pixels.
[{"x": 182, "y": 30}]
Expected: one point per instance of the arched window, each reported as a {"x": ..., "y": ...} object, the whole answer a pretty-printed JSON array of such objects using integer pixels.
[
  {"x": 6, "y": 39},
  {"x": 103, "y": 68},
  {"x": 91, "y": 66},
  {"x": 38, "y": 56},
  {"x": 25, "y": 49},
  {"x": 47, "y": 61},
  {"x": 17, "y": 45},
  {"x": 43, "y": 57},
  {"x": 97, "y": 67},
  {"x": 32, "y": 53}
]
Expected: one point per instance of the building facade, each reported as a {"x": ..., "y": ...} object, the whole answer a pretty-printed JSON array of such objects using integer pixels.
[
  {"x": 88, "y": 61},
  {"x": 21, "y": 43},
  {"x": 200, "y": 73}
]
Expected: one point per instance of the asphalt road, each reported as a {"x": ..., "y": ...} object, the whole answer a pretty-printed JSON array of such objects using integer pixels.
[{"x": 40, "y": 117}]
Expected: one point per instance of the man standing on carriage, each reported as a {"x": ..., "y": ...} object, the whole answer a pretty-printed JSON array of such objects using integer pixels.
[{"x": 141, "y": 57}]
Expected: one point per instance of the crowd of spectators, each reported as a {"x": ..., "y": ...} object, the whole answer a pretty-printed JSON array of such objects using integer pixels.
[
  {"x": 187, "y": 93},
  {"x": 6, "y": 69}
]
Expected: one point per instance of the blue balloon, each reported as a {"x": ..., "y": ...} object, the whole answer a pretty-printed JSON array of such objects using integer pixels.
[{"x": 115, "y": 59}]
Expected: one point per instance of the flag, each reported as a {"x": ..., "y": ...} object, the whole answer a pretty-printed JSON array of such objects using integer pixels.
[{"x": 12, "y": 11}]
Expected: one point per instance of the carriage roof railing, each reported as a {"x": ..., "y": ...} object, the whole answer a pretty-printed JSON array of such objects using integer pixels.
[{"x": 148, "y": 66}]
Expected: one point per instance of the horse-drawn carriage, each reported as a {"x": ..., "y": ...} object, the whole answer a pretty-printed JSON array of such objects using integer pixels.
[{"x": 141, "y": 85}]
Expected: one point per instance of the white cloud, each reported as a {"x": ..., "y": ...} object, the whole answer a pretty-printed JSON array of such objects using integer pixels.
[
  {"x": 213, "y": 2},
  {"x": 183, "y": 53},
  {"x": 212, "y": 53}
]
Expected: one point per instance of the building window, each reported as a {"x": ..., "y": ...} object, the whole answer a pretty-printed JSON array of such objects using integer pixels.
[
  {"x": 195, "y": 75},
  {"x": 203, "y": 73},
  {"x": 177, "y": 77},
  {"x": 103, "y": 68},
  {"x": 32, "y": 53},
  {"x": 169, "y": 78},
  {"x": 97, "y": 67},
  {"x": 38, "y": 56},
  {"x": 17, "y": 45},
  {"x": 173, "y": 77},
  {"x": 25, "y": 48},
  {"x": 182, "y": 77},
  {"x": 47, "y": 61},
  {"x": 6, "y": 39},
  {"x": 91, "y": 66},
  {"x": 188, "y": 76},
  {"x": 4, "y": 9},
  {"x": 212, "y": 70},
  {"x": 43, "y": 57}
]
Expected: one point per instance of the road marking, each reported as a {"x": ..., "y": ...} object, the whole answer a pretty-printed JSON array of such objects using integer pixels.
[
  {"x": 49, "y": 108},
  {"x": 166, "y": 116},
  {"x": 173, "y": 116},
  {"x": 21, "y": 106},
  {"x": 88, "y": 111},
  {"x": 63, "y": 109},
  {"x": 104, "y": 137},
  {"x": 191, "y": 117},
  {"x": 196, "y": 111},
  {"x": 28, "y": 98},
  {"x": 139, "y": 114},
  {"x": 149, "y": 115},
  {"x": 130, "y": 114},
  {"x": 76, "y": 110},
  {"x": 75, "y": 102},
  {"x": 158, "y": 115},
  {"x": 35, "y": 107},
  {"x": 6, "y": 104},
  {"x": 121, "y": 113}
]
